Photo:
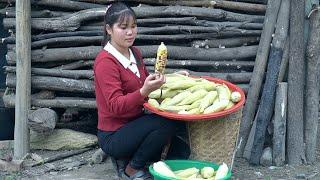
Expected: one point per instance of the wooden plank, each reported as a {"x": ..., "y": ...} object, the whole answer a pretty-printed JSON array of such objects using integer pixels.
[
  {"x": 23, "y": 87},
  {"x": 296, "y": 80},
  {"x": 269, "y": 89},
  {"x": 312, "y": 87},
  {"x": 279, "y": 127},
  {"x": 258, "y": 71}
]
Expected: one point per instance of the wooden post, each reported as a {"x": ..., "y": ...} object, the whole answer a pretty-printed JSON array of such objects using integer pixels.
[
  {"x": 268, "y": 95},
  {"x": 296, "y": 79},
  {"x": 23, "y": 87},
  {"x": 312, "y": 87},
  {"x": 258, "y": 71},
  {"x": 279, "y": 131}
]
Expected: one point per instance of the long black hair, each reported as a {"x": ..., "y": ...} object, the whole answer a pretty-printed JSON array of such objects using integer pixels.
[{"x": 116, "y": 12}]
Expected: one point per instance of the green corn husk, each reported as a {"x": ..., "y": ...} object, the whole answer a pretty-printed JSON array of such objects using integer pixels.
[
  {"x": 209, "y": 86},
  {"x": 165, "y": 101},
  {"x": 223, "y": 92},
  {"x": 188, "y": 172},
  {"x": 175, "y": 77},
  {"x": 195, "y": 104},
  {"x": 178, "y": 98},
  {"x": 183, "y": 84},
  {"x": 168, "y": 93},
  {"x": 218, "y": 105},
  {"x": 199, "y": 94},
  {"x": 230, "y": 105},
  {"x": 208, "y": 100},
  {"x": 153, "y": 103},
  {"x": 174, "y": 109},
  {"x": 155, "y": 94},
  {"x": 194, "y": 111}
]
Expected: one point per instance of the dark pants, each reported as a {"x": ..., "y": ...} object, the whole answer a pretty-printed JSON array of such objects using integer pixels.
[{"x": 142, "y": 140}]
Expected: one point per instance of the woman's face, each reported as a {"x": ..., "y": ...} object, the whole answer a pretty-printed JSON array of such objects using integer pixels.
[{"x": 123, "y": 33}]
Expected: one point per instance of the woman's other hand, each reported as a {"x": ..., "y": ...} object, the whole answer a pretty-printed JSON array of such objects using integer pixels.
[
  {"x": 183, "y": 72},
  {"x": 152, "y": 82}
]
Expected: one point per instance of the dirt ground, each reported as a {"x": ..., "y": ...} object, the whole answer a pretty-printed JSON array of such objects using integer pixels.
[{"x": 78, "y": 168}]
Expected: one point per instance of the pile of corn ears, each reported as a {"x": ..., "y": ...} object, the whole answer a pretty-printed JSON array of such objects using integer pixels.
[
  {"x": 192, "y": 173},
  {"x": 186, "y": 95}
]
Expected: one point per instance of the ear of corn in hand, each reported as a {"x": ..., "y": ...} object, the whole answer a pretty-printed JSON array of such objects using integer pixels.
[
  {"x": 192, "y": 173},
  {"x": 161, "y": 61}
]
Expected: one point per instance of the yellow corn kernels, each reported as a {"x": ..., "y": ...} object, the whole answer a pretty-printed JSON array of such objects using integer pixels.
[{"x": 161, "y": 61}]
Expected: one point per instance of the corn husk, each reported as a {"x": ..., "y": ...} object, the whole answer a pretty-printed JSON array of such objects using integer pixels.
[
  {"x": 209, "y": 86},
  {"x": 178, "y": 98},
  {"x": 223, "y": 92},
  {"x": 208, "y": 100},
  {"x": 218, "y": 105},
  {"x": 174, "y": 109},
  {"x": 194, "y": 97},
  {"x": 153, "y": 103},
  {"x": 183, "y": 84}
]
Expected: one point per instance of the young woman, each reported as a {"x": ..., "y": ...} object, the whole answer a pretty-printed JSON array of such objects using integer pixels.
[{"x": 122, "y": 85}]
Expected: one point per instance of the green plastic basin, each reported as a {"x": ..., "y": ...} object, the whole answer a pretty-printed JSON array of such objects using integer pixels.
[{"x": 176, "y": 165}]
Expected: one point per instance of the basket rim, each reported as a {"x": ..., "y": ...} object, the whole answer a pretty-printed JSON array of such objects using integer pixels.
[{"x": 203, "y": 117}]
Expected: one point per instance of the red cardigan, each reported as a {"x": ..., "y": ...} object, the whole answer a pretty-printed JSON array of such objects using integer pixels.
[{"x": 117, "y": 91}]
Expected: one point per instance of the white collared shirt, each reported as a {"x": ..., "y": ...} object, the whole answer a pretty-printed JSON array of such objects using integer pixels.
[{"x": 126, "y": 63}]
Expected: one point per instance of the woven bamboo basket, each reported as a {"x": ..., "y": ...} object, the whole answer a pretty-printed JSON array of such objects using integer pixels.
[{"x": 215, "y": 140}]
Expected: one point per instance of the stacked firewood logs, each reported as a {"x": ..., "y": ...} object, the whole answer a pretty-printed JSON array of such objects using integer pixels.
[{"x": 208, "y": 39}]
